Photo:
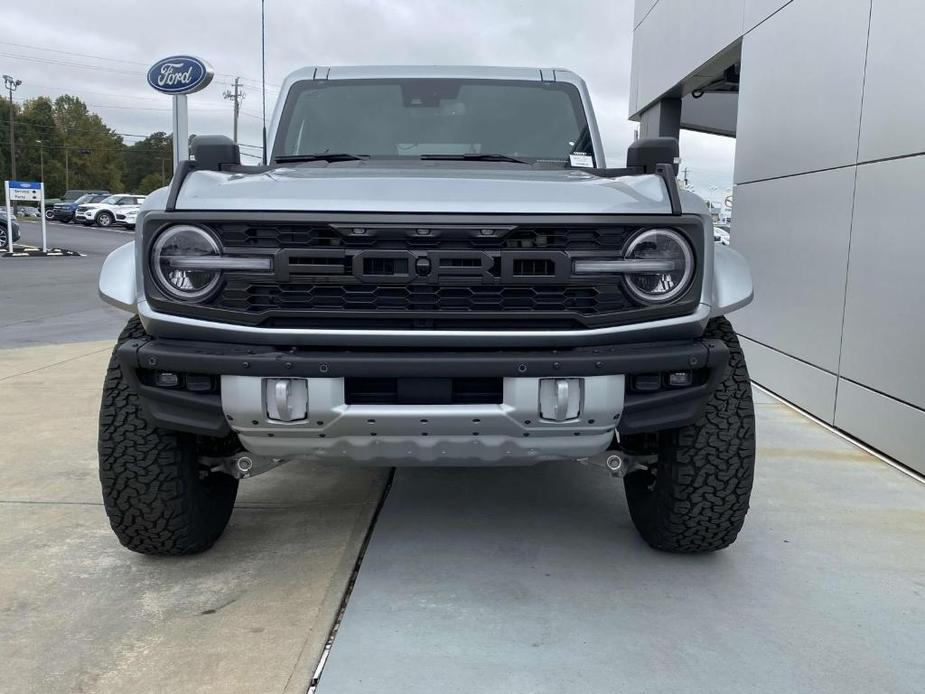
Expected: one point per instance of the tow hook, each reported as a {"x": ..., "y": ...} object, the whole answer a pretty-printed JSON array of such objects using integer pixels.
[
  {"x": 243, "y": 465},
  {"x": 621, "y": 463}
]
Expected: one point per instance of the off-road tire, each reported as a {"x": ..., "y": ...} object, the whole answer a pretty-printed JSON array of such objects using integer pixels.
[
  {"x": 696, "y": 498},
  {"x": 158, "y": 498}
]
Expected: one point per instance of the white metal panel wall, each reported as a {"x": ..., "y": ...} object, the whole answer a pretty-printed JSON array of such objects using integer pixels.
[
  {"x": 677, "y": 37},
  {"x": 811, "y": 388},
  {"x": 830, "y": 156},
  {"x": 885, "y": 312},
  {"x": 893, "y": 122},
  {"x": 641, "y": 10},
  {"x": 886, "y": 424},
  {"x": 800, "y": 97},
  {"x": 756, "y": 11},
  {"x": 794, "y": 231}
]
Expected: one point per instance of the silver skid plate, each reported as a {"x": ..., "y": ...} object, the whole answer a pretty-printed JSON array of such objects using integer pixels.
[{"x": 513, "y": 432}]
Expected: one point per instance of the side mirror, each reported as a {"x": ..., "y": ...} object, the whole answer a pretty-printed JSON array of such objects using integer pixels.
[
  {"x": 648, "y": 152},
  {"x": 214, "y": 152}
]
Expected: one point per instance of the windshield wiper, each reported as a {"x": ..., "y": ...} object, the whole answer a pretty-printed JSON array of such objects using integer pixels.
[
  {"x": 325, "y": 156},
  {"x": 474, "y": 157}
]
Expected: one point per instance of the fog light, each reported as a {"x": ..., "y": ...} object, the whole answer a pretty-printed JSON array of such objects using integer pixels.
[
  {"x": 167, "y": 379},
  {"x": 647, "y": 383},
  {"x": 680, "y": 379}
]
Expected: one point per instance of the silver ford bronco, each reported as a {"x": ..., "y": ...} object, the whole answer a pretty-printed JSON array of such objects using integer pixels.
[{"x": 435, "y": 267}]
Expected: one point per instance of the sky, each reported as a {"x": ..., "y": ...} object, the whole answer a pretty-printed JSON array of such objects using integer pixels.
[{"x": 102, "y": 56}]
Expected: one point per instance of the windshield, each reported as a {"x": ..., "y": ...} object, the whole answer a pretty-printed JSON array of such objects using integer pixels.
[
  {"x": 409, "y": 118},
  {"x": 111, "y": 200},
  {"x": 83, "y": 198}
]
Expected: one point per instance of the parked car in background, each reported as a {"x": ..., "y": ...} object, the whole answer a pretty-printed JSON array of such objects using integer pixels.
[
  {"x": 29, "y": 211},
  {"x": 64, "y": 210},
  {"x": 720, "y": 235},
  {"x": 126, "y": 216},
  {"x": 50, "y": 207},
  {"x": 103, "y": 213},
  {"x": 75, "y": 194},
  {"x": 3, "y": 229}
]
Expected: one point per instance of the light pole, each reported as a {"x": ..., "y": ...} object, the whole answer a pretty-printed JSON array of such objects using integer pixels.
[
  {"x": 11, "y": 84},
  {"x": 41, "y": 160}
]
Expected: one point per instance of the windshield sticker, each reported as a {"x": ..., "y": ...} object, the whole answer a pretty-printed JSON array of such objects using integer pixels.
[{"x": 582, "y": 160}]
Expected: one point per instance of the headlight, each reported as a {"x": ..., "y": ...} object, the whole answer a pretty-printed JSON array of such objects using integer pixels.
[
  {"x": 185, "y": 243},
  {"x": 663, "y": 285}
]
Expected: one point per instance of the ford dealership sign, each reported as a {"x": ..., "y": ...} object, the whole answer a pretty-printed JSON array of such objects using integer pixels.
[{"x": 180, "y": 74}]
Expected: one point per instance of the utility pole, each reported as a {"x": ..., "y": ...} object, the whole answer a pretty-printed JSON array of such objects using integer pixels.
[
  {"x": 237, "y": 96},
  {"x": 11, "y": 85}
]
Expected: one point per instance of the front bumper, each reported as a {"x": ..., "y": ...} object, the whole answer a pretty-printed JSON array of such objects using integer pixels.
[{"x": 501, "y": 432}]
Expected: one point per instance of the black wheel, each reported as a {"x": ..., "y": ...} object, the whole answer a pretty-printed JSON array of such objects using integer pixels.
[
  {"x": 158, "y": 498},
  {"x": 696, "y": 496},
  {"x": 104, "y": 219}
]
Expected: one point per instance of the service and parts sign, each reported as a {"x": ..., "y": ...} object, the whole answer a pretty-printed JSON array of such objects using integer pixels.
[{"x": 180, "y": 74}]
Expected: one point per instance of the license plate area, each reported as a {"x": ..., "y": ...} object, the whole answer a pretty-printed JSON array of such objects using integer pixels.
[{"x": 423, "y": 391}]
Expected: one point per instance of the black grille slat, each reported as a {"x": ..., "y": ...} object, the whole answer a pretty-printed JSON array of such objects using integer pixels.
[
  {"x": 325, "y": 236},
  {"x": 239, "y": 295}
]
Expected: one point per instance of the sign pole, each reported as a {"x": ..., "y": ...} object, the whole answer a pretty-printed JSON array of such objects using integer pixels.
[
  {"x": 180, "y": 130},
  {"x": 42, "y": 210},
  {"x": 9, "y": 219}
]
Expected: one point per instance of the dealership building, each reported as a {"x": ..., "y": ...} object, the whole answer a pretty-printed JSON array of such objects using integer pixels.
[{"x": 827, "y": 105}]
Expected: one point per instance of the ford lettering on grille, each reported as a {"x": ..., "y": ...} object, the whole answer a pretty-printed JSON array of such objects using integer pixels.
[{"x": 428, "y": 267}]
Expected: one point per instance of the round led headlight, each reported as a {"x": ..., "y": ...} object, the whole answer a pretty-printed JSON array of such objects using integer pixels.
[
  {"x": 663, "y": 285},
  {"x": 173, "y": 262}
]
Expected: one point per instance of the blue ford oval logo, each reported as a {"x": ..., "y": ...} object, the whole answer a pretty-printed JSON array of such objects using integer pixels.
[{"x": 180, "y": 74}]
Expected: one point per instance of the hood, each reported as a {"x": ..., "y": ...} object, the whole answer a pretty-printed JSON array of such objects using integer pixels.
[{"x": 424, "y": 188}]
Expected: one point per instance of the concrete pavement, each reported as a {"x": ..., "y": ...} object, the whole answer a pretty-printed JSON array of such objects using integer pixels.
[
  {"x": 78, "y": 613},
  {"x": 534, "y": 580}
]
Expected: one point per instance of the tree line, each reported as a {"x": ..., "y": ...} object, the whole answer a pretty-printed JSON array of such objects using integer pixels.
[{"x": 77, "y": 150}]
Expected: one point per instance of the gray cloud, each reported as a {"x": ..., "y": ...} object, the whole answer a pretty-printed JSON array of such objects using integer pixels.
[{"x": 592, "y": 37}]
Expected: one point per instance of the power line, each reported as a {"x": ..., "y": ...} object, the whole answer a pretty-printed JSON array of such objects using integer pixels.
[
  {"x": 64, "y": 63},
  {"x": 81, "y": 55},
  {"x": 95, "y": 57}
]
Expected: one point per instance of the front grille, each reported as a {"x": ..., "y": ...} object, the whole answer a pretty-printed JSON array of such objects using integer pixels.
[{"x": 423, "y": 276}]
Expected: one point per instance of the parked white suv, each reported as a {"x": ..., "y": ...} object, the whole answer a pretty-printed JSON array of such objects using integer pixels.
[
  {"x": 103, "y": 213},
  {"x": 125, "y": 216}
]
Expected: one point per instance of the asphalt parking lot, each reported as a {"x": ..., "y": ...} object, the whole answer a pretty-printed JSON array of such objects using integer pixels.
[
  {"x": 485, "y": 580},
  {"x": 54, "y": 300}
]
